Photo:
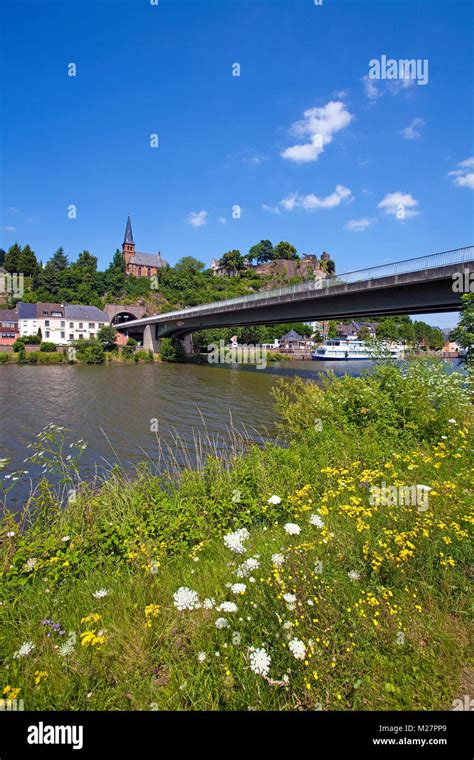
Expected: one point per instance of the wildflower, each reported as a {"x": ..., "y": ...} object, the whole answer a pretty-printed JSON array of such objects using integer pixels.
[
  {"x": 289, "y": 598},
  {"x": 278, "y": 559},
  {"x": 274, "y": 499},
  {"x": 39, "y": 675},
  {"x": 201, "y": 656},
  {"x": 246, "y": 567},
  {"x": 316, "y": 521},
  {"x": 186, "y": 599},
  {"x": 222, "y": 623},
  {"x": 66, "y": 538},
  {"x": 154, "y": 566},
  {"x": 91, "y": 639},
  {"x": 236, "y": 638},
  {"x": 227, "y": 607},
  {"x": 238, "y": 588},
  {"x": 297, "y": 649},
  {"x": 24, "y": 650},
  {"x": 260, "y": 662},
  {"x": 30, "y": 564},
  {"x": 234, "y": 541},
  {"x": 94, "y": 618},
  {"x": 100, "y": 593},
  {"x": 208, "y": 603},
  {"x": 10, "y": 534},
  {"x": 452, "y": 422},
  {"x": 353, "y": 575},
  {"x": 292, "y": 529},
  {"x": 66, "y": 649},
  {"x": 151, "y": 611}
]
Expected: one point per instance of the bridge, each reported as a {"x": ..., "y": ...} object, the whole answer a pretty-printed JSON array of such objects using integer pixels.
[{"x": 413, "y": 286}]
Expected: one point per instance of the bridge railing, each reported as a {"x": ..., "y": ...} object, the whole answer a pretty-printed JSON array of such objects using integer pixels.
[{"x": 432, "y": 261}]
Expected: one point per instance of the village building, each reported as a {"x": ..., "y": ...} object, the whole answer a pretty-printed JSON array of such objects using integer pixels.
[
  {"x": 139, "y": 264},
  {"x": 60, "y": 323},
  {"x": 8, "y": 327}
]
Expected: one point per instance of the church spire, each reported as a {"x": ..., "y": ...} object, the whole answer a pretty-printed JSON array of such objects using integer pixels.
[{"x": 128, "y": 232}]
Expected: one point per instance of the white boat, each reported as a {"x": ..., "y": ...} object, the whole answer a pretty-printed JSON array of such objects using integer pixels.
[{"x": 338, "y": 349}]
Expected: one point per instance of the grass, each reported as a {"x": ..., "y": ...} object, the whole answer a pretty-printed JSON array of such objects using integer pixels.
[{"x": 379, "y": 592}]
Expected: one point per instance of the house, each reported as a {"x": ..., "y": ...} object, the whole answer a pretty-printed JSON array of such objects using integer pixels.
[
  {"x": 292, "y": 341},
  {"x": 221, "y": 271},
  {"x": 139, "y": 264},
  {"x": 351, "y": 331},
  {"x": 8, "y": 327},
  {"x": 60, "y": 323}
]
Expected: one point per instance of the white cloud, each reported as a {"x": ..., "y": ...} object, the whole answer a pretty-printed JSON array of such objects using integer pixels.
[
  {"x": 312, "y": 202},
  {"x": 197, "y": 218},
  {"x": 222, "y": 220},
  {"x": 464, "y": 177},
  {"x": 395, "y": 86},
  {"x": 273, "y": 209},
  {"x": 359, "y": 225},
  {"x": 9, "y": 229},
  {"x": 340, "y": 94},
  {"x": 400, "y": 205},
  {"x": 370, "y": 89},
  {"x": 412, "y": 131},
  {"x": 319, "y": 125}
]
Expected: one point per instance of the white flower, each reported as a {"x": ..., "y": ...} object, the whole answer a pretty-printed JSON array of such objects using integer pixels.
[
  {"x": 278, "y": 559},
  {"x": 289, "y": 598},
  {"x": 260, "y": 662},
  {"x": 233, "y": 541},
  {"x": 10, "y": 534},
  {"x": 246, "y": 567},
  {"x": 297, "y": 649},
  {"x": 292, "y": 529},
  {"x": 236, "y": 638},
  {"x": 222, "y": 623},
  {"x": 30, "y": 564},
  {"x": 274, "y": 499},
  {"x": 100, "y": 593},
  {"x": 316, "y": 521},
  {"x": 154, "y": 567},
  {"x": 66, "y": 538},
  {"x": 452, "y": 422},
  {"x": 202, "y": 656},
  {"x": 227, "y": 607},
  {"x": 186, "y": 599},
  {"x": 238, "y": 588},
  {"x": 353, "y": 575},
  {"x": 24, "y": 650},
  {"x": 68, "y": 647},
  {"x": 208, "y": 603}
]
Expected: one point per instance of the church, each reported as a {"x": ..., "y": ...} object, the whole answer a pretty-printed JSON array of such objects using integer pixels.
[{"x": 139, "y": 264}]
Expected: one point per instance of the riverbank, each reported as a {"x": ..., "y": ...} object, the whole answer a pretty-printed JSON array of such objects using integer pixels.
[{"x": 273, "y": 579}]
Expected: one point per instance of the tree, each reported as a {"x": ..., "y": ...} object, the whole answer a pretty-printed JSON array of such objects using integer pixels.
[
  {"x": 59, "y": 260},
  {"x": 86, "y": 261},
  {"x": 406, "y": 332},
  {"x": 262, "y": 252},
  {"x": 27, "y": 262},
  {"x": 189, "y": 264},
  {"x": 464, "y": 332},
  {"x": 106, "y": 337},
  {"x": 387, "y": 330},
  {"x": 364, "y": 333},
  {"x": 2, "y": 256},
  {"x": 233, "y": 261},
  {"x": 12, "y": 258},
  {"x": 285, "y": 250},
  {"x": 332, "y": 331}
]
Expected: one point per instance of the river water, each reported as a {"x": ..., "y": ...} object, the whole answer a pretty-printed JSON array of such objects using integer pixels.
[{"x": 131, "y": 413}]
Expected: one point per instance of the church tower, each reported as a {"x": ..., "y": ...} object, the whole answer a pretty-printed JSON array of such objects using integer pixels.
[{"x": 128, "y": 246}]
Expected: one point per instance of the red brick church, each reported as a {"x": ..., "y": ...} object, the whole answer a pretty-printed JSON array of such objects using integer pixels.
[{"x": 139, "y": 264}]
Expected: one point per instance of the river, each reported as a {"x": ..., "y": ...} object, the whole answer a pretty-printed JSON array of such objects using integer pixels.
[{"x": 131, "y": 413}]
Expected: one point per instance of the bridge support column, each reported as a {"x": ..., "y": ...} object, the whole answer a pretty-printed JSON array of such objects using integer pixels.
[
  {"x": 187, "y": 344},
  {"x": 150, "y": 342}
]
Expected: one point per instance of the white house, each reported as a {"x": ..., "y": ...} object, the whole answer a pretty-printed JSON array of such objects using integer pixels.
[{"x": 60, "y": 323}]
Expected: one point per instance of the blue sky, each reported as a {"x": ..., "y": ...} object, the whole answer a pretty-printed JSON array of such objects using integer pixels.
[{"x": 307, "y": 145}]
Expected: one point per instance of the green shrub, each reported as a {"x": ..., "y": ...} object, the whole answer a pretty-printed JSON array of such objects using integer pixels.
[
  {"x": 143, "y": 356},
  {"x": 4, "y": 358},
  {"x": 47, "y": 348},
  {"x": 91, "y": 353},
  {"x": 128, "y": 351}
]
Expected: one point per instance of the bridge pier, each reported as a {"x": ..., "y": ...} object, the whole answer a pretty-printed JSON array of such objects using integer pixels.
[{"x": 150, "y": 342}]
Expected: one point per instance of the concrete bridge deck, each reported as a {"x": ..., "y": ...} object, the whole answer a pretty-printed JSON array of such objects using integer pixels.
[{"x": 414, "y": 286}]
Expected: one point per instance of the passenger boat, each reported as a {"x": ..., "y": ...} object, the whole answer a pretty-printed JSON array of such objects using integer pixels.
[{"x": 337, "y": 349}]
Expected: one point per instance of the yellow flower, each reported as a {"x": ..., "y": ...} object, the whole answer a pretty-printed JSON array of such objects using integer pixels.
[{"x": 39, "y": 675}]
